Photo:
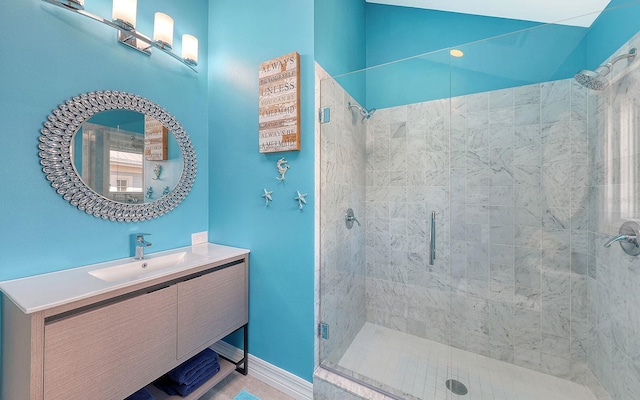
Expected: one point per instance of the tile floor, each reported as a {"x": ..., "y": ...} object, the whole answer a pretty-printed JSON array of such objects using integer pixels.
[
  {"x": 230, "y": 386},
  {"x": 420, "y": 367}
]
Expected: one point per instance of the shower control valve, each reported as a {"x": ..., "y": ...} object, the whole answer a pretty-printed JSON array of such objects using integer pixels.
[{"x": 349, "y": 218}]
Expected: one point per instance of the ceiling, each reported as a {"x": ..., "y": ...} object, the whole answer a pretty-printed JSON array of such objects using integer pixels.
[{"x": 566, "y": 12}]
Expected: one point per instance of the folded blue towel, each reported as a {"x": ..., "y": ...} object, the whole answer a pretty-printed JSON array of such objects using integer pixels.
[
  {"x": 187, "y": 372},
  {"x": 142, "y": 394},
  {"x": 174, "y": 388}
]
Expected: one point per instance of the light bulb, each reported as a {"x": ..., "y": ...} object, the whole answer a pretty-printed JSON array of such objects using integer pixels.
[
  {"x": 190, "y": 49},
  {"x": 124, "y": 13},
  {"x": 163, "y": 30}
]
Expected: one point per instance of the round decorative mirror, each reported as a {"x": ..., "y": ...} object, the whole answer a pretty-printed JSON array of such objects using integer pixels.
[{"x": 117, "y": 156}]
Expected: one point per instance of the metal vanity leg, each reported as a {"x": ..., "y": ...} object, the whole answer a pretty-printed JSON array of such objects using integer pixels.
[
  {"x": 245, "y": 369},
  {"x": 245, "y": 352}
]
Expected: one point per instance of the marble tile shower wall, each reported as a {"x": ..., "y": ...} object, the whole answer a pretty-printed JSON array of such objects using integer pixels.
[
  {"x": 507, "y": 174},
  {"x": 342, "y": 186},
  {"x": 613, "y": 276},
  {"x": 408, "y": 179}
]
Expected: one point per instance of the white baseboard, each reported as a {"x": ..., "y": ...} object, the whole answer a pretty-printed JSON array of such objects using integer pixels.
[{"x": 276, "y": 377}]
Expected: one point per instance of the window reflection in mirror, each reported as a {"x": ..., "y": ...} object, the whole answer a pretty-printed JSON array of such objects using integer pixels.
[{"x": 125, "y": 158}]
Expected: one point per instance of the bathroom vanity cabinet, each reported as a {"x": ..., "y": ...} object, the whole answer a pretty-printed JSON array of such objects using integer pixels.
[{"x": 109, "y": 345}]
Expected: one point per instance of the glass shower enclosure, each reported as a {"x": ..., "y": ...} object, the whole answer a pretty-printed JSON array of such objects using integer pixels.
[{"x": 464, "y": 202}]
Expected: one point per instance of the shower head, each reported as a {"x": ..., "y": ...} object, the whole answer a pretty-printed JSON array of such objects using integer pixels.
[
  {"x": 366, "y": 114},
  {"x": 597, "y": 80},
  {"x": 592, "y": 79}
]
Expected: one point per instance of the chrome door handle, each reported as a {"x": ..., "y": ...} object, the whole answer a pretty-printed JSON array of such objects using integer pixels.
[
  {"x": 620, "y": 238},
  {"x": 432, "y": 252},
  {"x": 628, "y": 238}
]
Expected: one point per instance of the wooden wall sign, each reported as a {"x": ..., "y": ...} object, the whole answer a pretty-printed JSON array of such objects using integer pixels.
[
  {"x": 155, "y": 140},
  {"x": 279, "y": 110}
]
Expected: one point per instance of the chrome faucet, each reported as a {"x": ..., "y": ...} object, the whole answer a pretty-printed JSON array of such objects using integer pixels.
[{"x": 140, "y": 244}]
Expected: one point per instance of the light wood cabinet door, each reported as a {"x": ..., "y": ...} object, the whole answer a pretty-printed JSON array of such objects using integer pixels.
[
  {"x": 210, "y": 307},
  {"x": 112, "y": 351}
]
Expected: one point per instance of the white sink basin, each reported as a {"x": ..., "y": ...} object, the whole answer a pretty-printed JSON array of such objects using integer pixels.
[{"x": 139, "y": 268}]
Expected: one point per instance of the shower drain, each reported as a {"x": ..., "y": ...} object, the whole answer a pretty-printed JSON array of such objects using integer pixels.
[{"x": 456, "y": 387}]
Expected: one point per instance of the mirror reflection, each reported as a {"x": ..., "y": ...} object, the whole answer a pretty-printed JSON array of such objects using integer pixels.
[{"x": 126, "y": 156}]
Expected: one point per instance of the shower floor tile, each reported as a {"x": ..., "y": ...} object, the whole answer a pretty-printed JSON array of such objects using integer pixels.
[{"x": 420, "y": 368}]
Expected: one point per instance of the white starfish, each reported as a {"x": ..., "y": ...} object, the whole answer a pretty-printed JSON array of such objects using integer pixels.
[
  {"x": 267, "y": 196},
  {"x": 301, "y": 198}
]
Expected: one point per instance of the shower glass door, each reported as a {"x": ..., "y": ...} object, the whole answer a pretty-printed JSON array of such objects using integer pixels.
[{"x": 385, "y": 154}]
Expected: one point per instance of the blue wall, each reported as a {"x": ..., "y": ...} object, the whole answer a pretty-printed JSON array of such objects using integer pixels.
[
  {"x": 127, "y": 120},
  {"x": 517, "y": 53},
  {"x": 394, "y": 33},
  {"x": 340, "y": 40},
  {"x": 49, "y": 55},
  {"x": 340, "y": 35},
  {"x": 244, "y": 33},
  {"x": 499, "y": 53},
  {"x": 619, "y": 22}
]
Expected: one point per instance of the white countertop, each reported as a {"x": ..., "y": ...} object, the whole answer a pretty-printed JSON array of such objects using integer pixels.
[{"x": 40, "y": 292}]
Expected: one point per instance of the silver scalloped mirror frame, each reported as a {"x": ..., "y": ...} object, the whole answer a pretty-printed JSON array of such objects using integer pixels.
[{"x": 55, "y": 156}]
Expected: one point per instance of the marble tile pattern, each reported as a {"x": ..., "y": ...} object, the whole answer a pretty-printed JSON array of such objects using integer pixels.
[
  {"x": 342, "y": 186},
  {"x": 408, "y": 178},
  {"x": 612, "y": 336},
  {"x": 506, "y": 173}
]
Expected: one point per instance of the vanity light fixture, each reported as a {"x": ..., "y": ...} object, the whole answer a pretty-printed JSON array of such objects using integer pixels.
[
  {"x": 74, "y": 4},
  {"x": 124, "y": 20}
]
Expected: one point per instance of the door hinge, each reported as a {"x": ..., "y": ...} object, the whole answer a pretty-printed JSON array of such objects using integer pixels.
[
  {"x": 325, "y": 115},
  {"x": 323, "y": 330}
]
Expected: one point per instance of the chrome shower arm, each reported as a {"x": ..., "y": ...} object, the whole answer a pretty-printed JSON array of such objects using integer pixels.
[
  {"x": 630, "y": 54},
  {"x": 596, "y": 80},
  {"x": 366, "y": 114},
  {"x": 609, "y": 65}
]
